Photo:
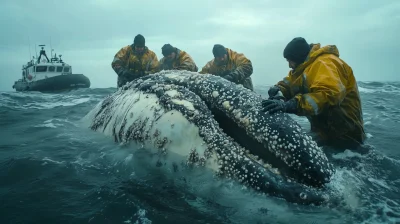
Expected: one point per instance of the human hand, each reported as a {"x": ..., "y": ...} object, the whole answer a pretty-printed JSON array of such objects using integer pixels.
[
  {"x": 273, "y": 91},
  {"x": 274, "y": 105}
]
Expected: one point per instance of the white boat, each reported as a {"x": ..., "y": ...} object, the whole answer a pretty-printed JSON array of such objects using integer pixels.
[{"x": 46, "y": 75}]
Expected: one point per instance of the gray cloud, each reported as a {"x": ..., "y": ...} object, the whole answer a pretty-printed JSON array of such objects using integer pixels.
[{"x": 89, "y": 33}]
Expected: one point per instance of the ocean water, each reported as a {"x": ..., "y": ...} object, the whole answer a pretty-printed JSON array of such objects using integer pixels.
[{"x": 54, "y": 170}]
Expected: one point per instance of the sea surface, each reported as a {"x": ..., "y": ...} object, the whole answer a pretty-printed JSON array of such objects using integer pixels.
[{"x": 54, "y": 170}]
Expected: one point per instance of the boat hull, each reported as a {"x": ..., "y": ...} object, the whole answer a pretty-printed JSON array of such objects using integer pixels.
[{"x": 54, "y": 84}]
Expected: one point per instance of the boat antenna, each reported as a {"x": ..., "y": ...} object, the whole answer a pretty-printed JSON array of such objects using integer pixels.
[
  {"x": 35, "y": 50},
  {"x": 51, "y": 48},
  {"x": 30, "y": 54}
]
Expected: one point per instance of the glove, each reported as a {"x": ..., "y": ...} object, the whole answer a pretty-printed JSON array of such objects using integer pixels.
[
  {"x": 225, "y": 73},
  {"x": 229, "y": 77},
  {"x": 124, "y": 73},
  {"x": 119, "y": 70},
  {"x": 273, "y": 91},
  {"x": 273, "y": 106}
]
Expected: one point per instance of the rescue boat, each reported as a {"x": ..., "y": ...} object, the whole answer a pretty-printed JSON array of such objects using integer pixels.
[{"x": 46, "y": 75}]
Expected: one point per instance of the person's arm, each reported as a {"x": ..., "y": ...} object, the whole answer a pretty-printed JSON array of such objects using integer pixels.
[
  {"x": 120, "y": 60},
  {"x": 186, "y": 63},
  {"x": 207, "y": 68},
  {"x": 153, "y": 65},
  {"x": 285, "y": 86},
  {"x": 325, "y": 89},
  {"x": 244, "y": 68}
]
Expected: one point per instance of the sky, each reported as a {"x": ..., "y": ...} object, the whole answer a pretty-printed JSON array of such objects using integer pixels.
[{"x": 89, "y": 33}]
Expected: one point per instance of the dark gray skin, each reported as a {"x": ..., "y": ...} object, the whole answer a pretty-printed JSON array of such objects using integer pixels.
[{"x": 229, "y": 120}]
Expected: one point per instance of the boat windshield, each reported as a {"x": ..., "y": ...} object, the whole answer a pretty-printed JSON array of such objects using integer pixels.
[{"x": 41, "y": 68}]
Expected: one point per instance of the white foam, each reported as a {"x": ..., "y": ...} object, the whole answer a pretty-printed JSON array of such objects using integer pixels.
[
  {"x": 365, "y": 90},
  {"x": 50, "y": 105}
]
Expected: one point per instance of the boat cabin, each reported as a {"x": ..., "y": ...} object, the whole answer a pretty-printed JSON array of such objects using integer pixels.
[
  {"x": 43, "y": 74},
  {"x": 44, "y": 68}
]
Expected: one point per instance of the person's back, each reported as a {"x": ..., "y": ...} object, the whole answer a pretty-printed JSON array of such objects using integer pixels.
[
  {"x": 231, "y": 65},
  {"x": 342, "y": 122},
  {"x": 175, "y": 58}
]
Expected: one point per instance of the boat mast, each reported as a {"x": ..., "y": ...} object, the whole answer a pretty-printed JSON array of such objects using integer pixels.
[
  {"x": 35, "y": 51},
  {"x": 42, "y": 52},
  {"x": 30, "y": 54},
  {"x": 51, "y": 47}
]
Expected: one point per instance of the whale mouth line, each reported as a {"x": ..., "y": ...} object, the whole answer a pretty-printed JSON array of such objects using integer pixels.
[{"x": 254, "y": 149}]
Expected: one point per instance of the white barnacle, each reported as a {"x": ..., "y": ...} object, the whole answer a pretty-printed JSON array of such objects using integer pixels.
[
  {"x": 226, "y": 105},
  {"x": 245, "y": 121},
  {"x": 238, "y": 114},
  {"x": 215, "y": 94}
]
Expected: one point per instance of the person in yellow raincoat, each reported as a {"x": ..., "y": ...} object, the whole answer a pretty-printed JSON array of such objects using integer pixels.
[
  {"x": 230, "y": 65},
  {"x": 322, "y": 87},
  {"x": 134, "y": 61},
  {"x": 175, "y": 58}
]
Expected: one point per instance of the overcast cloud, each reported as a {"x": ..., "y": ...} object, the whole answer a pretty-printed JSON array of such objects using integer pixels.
[{"x": 88, "y": 33}]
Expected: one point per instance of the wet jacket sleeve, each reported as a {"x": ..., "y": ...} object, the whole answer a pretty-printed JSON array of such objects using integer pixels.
[
  {"x": 152, "y": 64},
  {"x": 285, "y": 86},
  {"x": 187, "y": 63},
  {"x": 120, "y": 60},
  {"x": 325, "y": 89},
  {"x": 206, "y": 69},
  {"x": 161, "y": 64},
  {"x": 244, "y": 68}
]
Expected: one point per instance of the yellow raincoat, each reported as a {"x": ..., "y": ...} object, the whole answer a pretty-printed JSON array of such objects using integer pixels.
[
  {"x": 183, "y": 61},
  {"x": 237, "y": 63},
  {"x": 138, "y": 65},
  {"x": 327, "y": 93}
]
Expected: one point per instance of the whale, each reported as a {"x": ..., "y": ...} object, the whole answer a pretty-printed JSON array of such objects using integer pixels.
[{"x": 187, "y": 120}]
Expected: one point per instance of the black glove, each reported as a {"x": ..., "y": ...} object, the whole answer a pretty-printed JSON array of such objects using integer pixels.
[
  {"x": 119, "y": 70},
  {"x": 224, "y": 73},
  {"x": 272, "y": 106},
  {"x": 124, "y": 73},
  {"x": 229, "y": 77},
  {"x": 273, "y": 91}
]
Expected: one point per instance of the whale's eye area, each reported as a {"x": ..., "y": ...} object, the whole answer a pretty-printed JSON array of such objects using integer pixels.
[{"x": 303, "y": 196}]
